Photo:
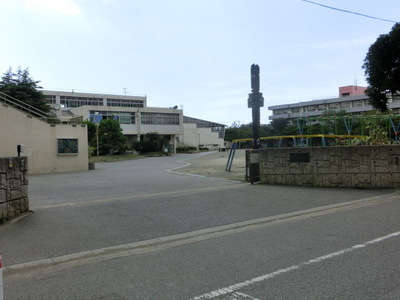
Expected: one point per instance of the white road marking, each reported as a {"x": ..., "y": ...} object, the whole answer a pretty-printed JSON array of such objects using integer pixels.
[
  {"x": 173, "y": 171},
  {"x": 241, "y": 296},
  {"x": 33, "y": 268},
  {"x": 235, "y": 287}
]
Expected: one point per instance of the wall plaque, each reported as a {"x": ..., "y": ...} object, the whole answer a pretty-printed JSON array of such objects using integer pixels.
[{"x": 299, "y": 157}]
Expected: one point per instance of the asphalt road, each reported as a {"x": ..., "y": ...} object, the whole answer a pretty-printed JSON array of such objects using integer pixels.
[{"x": 142, "y": 230}]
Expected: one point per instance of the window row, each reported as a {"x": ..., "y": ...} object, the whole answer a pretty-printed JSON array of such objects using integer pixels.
[
  {"x": 122, "y": 117},
  {"x": 68, "y": 101},
  {"x": 322, "y": 107},
  {"x": 160, "y": 119},
  {"x": 129, "y": 117},
  {"x": 125, "y": 103}
]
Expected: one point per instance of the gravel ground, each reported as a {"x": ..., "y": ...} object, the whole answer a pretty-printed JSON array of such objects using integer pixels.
[{"x": 213, "y": 164}]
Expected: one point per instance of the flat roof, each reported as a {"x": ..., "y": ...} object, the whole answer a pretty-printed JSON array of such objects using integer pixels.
[
  {"x": 318, "y": 102},
  {"x": 89, "y": 95},
  {"x": 200, "y": 122}
]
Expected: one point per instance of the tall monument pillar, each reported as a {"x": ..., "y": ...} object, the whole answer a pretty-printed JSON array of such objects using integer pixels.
[{"x": 254, "y": 102}]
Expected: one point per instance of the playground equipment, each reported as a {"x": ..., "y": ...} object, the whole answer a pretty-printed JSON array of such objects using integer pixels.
[
  {"x": 350, "y": 125},
  {"x": 330, "y": 131}
]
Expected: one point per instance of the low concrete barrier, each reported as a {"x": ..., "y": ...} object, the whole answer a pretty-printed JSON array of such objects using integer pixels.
[
  {"x": 357, "y": 167},
  {"x": 13, "y": 187}
]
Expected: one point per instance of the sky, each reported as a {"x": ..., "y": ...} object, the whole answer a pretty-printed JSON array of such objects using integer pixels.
[{"x": 195, "y": 54}]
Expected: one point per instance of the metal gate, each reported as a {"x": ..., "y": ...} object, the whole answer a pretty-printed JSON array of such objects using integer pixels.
[{"x": 253, "y": 165}]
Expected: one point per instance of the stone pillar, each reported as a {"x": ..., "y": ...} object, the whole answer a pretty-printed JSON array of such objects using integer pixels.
[{"x": 13, "y": 187}]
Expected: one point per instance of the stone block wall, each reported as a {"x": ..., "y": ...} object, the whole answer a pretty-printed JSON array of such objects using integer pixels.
[
  {"x": 357, "y": 167},
  {"x": 13, "y": 187}
]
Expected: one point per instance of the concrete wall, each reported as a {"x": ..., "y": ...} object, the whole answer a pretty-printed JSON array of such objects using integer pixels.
[
  {"x": 13, "y": 187},
  {"x": 40, "y": 141},
  {"x": 205, "y": 137},
  {"x": 358, "y": 167}
]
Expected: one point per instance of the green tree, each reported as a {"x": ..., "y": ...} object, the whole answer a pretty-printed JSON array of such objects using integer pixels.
[
  {"x": 265, "y": 130},
  {"x": 22, "y": 87},
  {"x": 111, "y": 139},
  {"x": 152, "y": 142},
  {"x": 278, "y": 125},
  {"x": 382, "y": 68},
  {"x": 242, "y": 132},
  {"x": 282, "y": 126}
]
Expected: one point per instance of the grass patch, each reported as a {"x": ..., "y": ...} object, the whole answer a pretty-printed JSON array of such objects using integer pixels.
[
  {"x": 112, "y": 158},
  {"x": 117, "y": 157}
]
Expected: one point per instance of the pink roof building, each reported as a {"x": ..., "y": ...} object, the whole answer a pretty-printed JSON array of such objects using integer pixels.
[{"x": 351, "y": 90}]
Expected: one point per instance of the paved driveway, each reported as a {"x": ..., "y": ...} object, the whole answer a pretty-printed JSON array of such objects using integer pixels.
[{"x": 129, "y": 213}]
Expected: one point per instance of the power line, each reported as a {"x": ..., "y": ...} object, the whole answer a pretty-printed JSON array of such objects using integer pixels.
[{"x": 349, "y": 12}]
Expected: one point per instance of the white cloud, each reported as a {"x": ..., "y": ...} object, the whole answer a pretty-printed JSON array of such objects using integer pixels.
[{"x": 67, "y": 7}]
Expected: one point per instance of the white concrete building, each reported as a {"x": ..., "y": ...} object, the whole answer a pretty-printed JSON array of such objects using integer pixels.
[
  {"x": 352, "y": 99},
  {"x": 203, "y": 134},
  {"x": 137, "y": 119}
]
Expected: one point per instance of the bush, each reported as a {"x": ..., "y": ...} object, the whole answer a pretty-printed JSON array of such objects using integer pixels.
[
  {"x": 185, "y": 149},
  {"x": 144, "y": 146}
]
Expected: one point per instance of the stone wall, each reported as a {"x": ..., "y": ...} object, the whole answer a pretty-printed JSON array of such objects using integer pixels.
[
  {"x": 13, "y": 187},
  {"x": 357, "y": 167}
]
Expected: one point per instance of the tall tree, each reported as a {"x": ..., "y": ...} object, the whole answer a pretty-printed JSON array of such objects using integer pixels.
[
  {"x": 111, "y": 139},
  {"x": 282, "y": 126},
  {"x": 22, "y": 87},
  {"x": 382, "y": 68}
]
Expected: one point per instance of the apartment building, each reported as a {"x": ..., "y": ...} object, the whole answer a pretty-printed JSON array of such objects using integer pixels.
[{"x": 352, "y": 99}]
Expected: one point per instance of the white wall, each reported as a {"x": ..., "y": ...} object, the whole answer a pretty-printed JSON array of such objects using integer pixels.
[
  {"x": 40, "y": 141},
  {"x": 194, "y": 136}
]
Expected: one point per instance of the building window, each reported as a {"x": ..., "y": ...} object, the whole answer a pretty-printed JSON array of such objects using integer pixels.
[
  {"x": 121, "y": 117},
  {"x": 126, "y": 118},
  {"x": 125, "y": 103},
  {"x": 296, "y": 110},
  {"x": 68, "y": 101},
  {"x": 310, "y": 108},
  {"x": 159, "y": 119},
  {"x": 345, "y": 105},
  {"x": 67, "y": 146},
  {"x": 50, "y": 98}
]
